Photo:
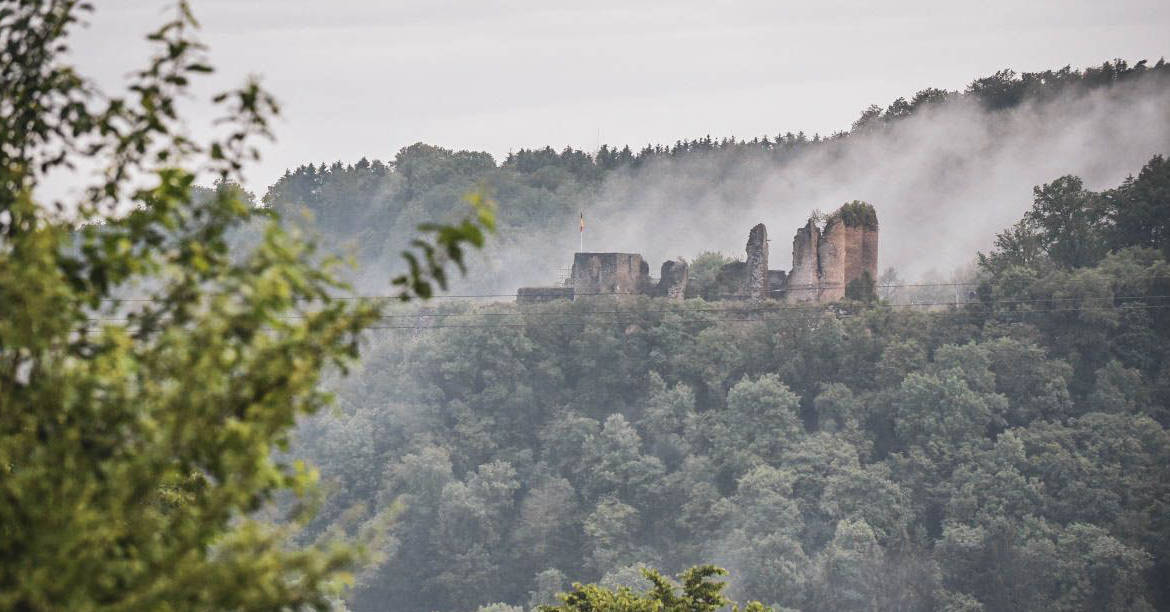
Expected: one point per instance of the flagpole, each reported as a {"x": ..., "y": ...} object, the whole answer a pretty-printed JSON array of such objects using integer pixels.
[{"x": 581, "y": 234}]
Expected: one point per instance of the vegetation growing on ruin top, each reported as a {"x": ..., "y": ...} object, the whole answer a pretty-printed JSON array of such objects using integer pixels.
[{"x": 856, "y": 214}]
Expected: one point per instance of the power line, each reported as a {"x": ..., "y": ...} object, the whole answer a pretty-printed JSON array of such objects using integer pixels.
[
  {"x": 760, "y": 319},
  {"x": 750, "y": 309},
  {"x": 616, "y": 294},
  {"x": 575, "y": 294},
  {"x": 731, "y": 309},
  {"x": 809, "y": 316}
]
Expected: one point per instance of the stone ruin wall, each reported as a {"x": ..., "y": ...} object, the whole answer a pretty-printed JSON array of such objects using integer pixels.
[
  {"x": 823, "y": 264},
  {"x": 854, "y": 248},
  {"x": 831, "y": 261},
  {"x": 804, "y": 279},
  {"x": 861, "y": 245},
  {"x": 757, "y": 262},
  {"x": 869, "y": 252},
  {"x": 595, "y": 274},
  {"x": 609, "y": 273},
  {"x": 672, "y": 281}
]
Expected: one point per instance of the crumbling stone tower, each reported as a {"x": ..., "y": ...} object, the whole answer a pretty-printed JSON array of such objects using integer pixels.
[
  {"x": 804, "y": 279},
  {"x": 672, "y": 281},
  {"x": 596, "y": 274},
  {"x": 757, "y": 263},
  {"x": 749, "y": 279},
  {"x": 825, "y": 262},
  {"x": 609, "y": 273}
]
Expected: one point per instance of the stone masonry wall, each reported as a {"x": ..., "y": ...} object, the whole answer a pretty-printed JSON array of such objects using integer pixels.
[
  {"x": 854, "y": 246},
  {"x": 609, "y": 273},
  {"x": 825, "y": 262},
  {"x": 672, "y": 282},
  {"x": 804, "y": 279},
  {"x": 823, "y": 265},
  {"x": 869, "y": 252},
  {"x": 831, "y": 257},
  {"x": 757, "y": 263}
]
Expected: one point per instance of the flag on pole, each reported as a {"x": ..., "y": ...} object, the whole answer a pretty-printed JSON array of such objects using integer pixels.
[{"x": 582, "y": 221}]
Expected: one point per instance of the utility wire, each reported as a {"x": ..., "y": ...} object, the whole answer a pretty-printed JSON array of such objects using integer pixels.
[
  {"x": 729, "y": 309},
  {"x": 514, "y": 294},
  {"x": 749, "y": 309},
  {"x": 575, "y": 294},
  {"x": 808, "y": 316},
  {"x": 1001, "y": 315}
]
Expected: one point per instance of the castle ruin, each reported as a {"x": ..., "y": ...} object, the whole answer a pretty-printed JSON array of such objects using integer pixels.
[
  {"x": 824, "y": 263},
  {"x": 609, "y": 273}
]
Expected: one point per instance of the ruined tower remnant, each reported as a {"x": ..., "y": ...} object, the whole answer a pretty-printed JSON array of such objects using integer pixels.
[
  {"x": 751, "y": 278},
  {"x": 672, "y": 282},
  {"x": 831, "y": 257},
  {"x": 825, "y": 262},
  {"x": 869, "y": 250},
  {"x": 612, "y": 274},
  {"x": 757, "y": 263},
  {"x": 804, "y": 279},
  {"x": 609, "y": 273}
]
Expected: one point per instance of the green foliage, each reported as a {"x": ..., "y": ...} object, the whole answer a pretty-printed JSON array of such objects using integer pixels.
[
  {"x": 849, "y": 568},
  {"x": 1071, "y": 222},
  {"x": 703, "y": 272},
  {"x": 699, "y": 594},
  {"x": 143, "y": 441},
  {"x": 856, "y": 214},
  {"x": 1072, "y": 227},
  {"x": 1139, "y": 209},
  {"x": 862, "y": 288},
  {"x": 446, "y": 247}
]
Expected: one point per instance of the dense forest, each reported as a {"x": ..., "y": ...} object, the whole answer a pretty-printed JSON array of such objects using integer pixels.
[{"x": 1007, "y": 453}]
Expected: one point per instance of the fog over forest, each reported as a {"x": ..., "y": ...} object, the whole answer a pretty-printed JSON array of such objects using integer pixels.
[
  {"x": 332, "y": 394},
  {"x": 944, "y": 179},
  {"x": 848, "y": 457}
]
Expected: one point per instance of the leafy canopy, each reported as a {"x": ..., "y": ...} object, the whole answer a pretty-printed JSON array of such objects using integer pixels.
[
  {"x": 699, "y": 594},
  {"x": 137, "y": 435}
]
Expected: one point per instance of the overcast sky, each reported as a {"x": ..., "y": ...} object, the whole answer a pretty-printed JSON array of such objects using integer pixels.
[{"x": 365, "y": 78}]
